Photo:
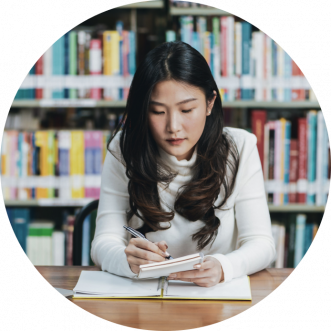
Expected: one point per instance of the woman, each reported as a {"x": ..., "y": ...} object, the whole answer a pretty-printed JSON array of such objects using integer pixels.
[{"x": 178, "y": 175}]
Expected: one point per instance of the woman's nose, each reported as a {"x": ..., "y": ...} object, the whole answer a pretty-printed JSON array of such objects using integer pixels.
[{"x": 173, "y": 123}]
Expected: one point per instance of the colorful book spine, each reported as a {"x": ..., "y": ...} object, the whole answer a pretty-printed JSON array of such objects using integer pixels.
[
  {"x": 73, "y": 61},
  {"x": 64, "y": 147},
  {"x": 97, "y": 161},
  {"x": 287, "y": 141},
  {"x": 39, "y": 71},
  {"x": 86, "y": 241},
  {"x": 95, "y": 65},
  {"x": 311, "y": 143},
  {"x": 48, "y": 71},
  {"x": 302, "y": 171},
  {"x": 246, "y": 93},
  {"x": 77, "y": 168},
  {"x": 58, "y": 60},
  {"x": 299, "y": 238},
  {"x": 259, "y": 118},
  {"x": 293, "y": 174},
  {"x": 89, "y": 162}
]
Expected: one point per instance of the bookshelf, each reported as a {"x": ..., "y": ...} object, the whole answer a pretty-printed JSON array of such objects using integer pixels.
[
  {"x": 122, "y": 103},
  {"x": 164, "y": 17}
]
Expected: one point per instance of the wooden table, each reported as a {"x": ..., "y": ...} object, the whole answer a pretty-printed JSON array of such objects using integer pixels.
[{"x": 155, "y": 314}]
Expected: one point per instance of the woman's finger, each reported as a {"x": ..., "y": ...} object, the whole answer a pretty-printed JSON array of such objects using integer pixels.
[
  {"x": 204, "y": 265},
  {"x": 148, "y": 246},
  {"x": 188, "y": 274},
  {"x": 137, "y": 261},
  {"x": 146, "y": 254},
  {"x": 162, "y": 245}
]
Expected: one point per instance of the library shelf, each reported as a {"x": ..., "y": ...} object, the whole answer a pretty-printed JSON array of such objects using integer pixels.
[
  {"x": 176, "y": 11},
  {"x": 121, "y": 103},
  {"x": 84, "y": 201},
  {"x": 144, "y": 4}
]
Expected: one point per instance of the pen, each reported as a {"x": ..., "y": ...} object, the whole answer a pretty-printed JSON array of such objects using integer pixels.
[{"x": 137, "y": 234}]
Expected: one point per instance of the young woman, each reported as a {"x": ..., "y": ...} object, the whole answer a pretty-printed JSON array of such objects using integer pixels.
[{"x": 175, "y": 173}]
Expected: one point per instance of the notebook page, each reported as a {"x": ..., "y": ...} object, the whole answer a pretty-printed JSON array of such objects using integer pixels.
[
  {"x": 101, "y": 282},
  {"x": 237, "y": 288}
]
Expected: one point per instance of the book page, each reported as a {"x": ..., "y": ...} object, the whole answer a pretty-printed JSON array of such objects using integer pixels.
[
  {"x": 238, "y": 288},
  {"x": 104, "y": 283}
]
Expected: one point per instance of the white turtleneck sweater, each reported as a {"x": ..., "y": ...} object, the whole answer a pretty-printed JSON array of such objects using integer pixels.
[{"x": 244, "y": 243}]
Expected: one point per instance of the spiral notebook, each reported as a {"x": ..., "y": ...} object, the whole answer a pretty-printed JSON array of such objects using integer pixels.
[{"x": 101, "y": 284}]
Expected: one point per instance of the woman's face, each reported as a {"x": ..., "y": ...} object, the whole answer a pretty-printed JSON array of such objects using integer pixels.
[{"x": 178, "y": 111}]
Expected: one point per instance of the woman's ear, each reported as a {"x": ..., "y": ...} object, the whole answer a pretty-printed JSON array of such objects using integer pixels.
[{"x": 211, "y": 104}]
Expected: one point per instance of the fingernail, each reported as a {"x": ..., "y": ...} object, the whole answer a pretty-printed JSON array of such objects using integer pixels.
[
  {"x": 197, "y": 266},
  {"x": 167, "y": 246},
  {"x": 167, "y": 254}
]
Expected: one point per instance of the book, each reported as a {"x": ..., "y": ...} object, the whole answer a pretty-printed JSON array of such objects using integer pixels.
[
  {"x": 165, "y": 268},
  {"x": 101, "y": 284}
]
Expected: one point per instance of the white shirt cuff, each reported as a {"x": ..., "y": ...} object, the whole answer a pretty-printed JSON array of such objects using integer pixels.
[{"x": 226, "y": 266}]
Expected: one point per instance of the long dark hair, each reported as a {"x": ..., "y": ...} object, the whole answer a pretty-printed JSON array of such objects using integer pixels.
[{"x": 216, "y": 150}]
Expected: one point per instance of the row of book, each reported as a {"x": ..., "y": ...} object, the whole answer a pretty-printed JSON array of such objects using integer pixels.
[
  {"x": 292, "y": 240},
  {"x": 246, "y": 64},
  {"x": 46, "y": 245},
  {"x": 52, "y": 164},
  {"x": 295, "y": 157},
  {"x": 88, "y": 64},
  {"x": 294, "y": 154},
  {"x": 83, "y": 53}
]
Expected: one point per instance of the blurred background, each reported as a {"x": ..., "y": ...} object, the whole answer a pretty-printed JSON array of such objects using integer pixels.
[{"x": 55, "y": 135}]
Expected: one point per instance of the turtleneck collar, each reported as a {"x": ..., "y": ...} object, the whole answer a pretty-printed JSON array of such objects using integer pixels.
[{"x": 183, "y": 167}]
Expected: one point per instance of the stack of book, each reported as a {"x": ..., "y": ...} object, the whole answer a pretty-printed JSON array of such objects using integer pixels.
[
  {"x": 246, "y": 64},
  {"x": 78, "y": 54},
  {"x": 295, "y": 157},
  {"x": 46, "y": 245}
]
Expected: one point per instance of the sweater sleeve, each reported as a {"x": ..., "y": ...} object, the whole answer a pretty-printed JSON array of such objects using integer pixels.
[
  {"x": 110, "y": 238},
  {"x": 256, "y": 247}
]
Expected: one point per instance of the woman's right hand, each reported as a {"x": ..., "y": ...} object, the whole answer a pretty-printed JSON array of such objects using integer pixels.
[{"x": 140, "y": 251}]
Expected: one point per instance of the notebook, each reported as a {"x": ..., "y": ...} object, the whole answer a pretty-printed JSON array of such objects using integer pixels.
[
  {"x": 165, "y": 268},
  {"x": 101, "y": 284}
]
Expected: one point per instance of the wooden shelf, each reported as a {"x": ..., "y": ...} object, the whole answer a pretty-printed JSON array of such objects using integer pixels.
[
  {"x": 144, "y": 4},
  {"x": 89, "y": 103},
  {"x": 82, "y": 202},
  {"x": 198, "y": 11}
]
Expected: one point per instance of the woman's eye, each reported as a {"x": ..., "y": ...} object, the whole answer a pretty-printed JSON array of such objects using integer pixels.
[
  {"x": 184, "y": 111},
  {"x": 157, "y": 112}
]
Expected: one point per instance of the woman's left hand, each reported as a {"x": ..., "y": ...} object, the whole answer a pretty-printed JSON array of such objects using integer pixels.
[{"x": 209, "y": 273}]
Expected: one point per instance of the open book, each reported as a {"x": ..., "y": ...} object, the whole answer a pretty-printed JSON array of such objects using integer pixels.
[{"x": 101, "y": 284}]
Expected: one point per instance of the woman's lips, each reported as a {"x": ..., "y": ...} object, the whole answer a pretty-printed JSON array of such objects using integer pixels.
[{"x": 175, "y": 141}]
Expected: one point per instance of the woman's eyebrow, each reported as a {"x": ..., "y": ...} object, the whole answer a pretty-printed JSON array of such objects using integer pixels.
[{"x": 179, "y": 103}]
